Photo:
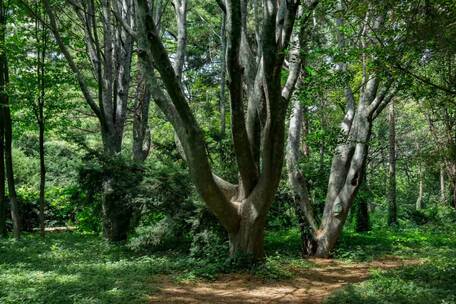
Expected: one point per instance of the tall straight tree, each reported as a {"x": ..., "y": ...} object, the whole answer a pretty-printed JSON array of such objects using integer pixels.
[
  {"x": 258, "y": 138},
  {"x": 7, "y": 128},
  {"x": 392, "y": 205},
  {"x": 349, "y": 158},
  {"x": 38, "y": 104},
  {"x": 108, "y": 34},
  {"x": 3, "y": 231}
]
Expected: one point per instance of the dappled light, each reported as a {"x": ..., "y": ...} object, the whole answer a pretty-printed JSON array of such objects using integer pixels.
[{"x": 227, "y": 151}]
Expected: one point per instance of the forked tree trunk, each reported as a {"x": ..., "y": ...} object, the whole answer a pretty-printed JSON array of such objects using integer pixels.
[
  {"x": 109, "y": 39},
  {"x": 346, "y": 176},
  {"x": 241, "y": 208}
]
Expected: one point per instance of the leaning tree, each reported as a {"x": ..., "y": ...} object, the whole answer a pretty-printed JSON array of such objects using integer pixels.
[{"x": 376, "y": 90}]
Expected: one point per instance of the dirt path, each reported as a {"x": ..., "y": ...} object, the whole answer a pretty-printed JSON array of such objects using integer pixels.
[{"x": 310, "y": 286}]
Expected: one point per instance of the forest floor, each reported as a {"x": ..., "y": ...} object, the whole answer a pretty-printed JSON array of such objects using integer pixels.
[
  {"x": 410, "y": 266},
  {"x": 311, "y": 286}
]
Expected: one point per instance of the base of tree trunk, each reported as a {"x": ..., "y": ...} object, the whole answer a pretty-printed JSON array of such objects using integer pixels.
[
  {"x": 116, "y": 214},
  {"x": 248, "y": 242},
  {"x": 362, "y": 216}
]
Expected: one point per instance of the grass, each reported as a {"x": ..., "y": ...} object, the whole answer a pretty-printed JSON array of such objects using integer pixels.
[
  {"x": 81, "y": 268},
  {"x": 434, "y": 281},
  {"x": 75, "y": 268}
]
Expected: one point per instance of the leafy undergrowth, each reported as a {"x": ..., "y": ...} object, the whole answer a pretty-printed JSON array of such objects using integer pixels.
[
  {"x": 433, "y": 281},
  {"x": 74, "y": 268},
  {"x": 81, "y": 268}
]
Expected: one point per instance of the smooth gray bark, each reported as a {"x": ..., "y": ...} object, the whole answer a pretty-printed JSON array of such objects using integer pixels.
[
  {"x": 241, "y": 208},
  {"x": 349, "y": 159}
]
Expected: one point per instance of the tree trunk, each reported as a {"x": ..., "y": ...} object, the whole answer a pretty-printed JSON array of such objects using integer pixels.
[
  {"x": 141, "y": 130},
  {"x": 222, "y": 103},
  {"x": 362, "y": 216},
  {"x": 453, "y": 194},
  {"x": 302, "y": 201},
  {"x": 41, "y": 51},
  {"x": 419, "y": 200},
  {"x": 15, "y": 212},
  {"x": 362, "y": 208},
  {"x": 42, "y": 175},
  {"x": 248, "y": 241},
  {"x": 116, "y": 213},
  {"x": 308, "y": 244},
  {"x": 346, "y": 176},
  {"x": 392, "y": 207},
  {"x": 3, "y": 231},
  {"x": 442, "y": 184},
  {"x": 5, "y": 116}
]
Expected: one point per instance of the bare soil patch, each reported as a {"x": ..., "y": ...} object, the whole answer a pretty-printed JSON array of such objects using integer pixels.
[{"x": 310, "y": 286}]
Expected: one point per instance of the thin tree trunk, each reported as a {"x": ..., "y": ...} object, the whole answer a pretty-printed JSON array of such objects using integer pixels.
[
  {"x": 392, "y": 206},
  {"x": 362, "y": 210},
  {"x": 453, "y": 194},
  {"x": 42, "y": 177},
  {"x": 419, "y": 200},
  {"x": 6, "y": 118},
  {"x": 3, "y": 231},
  {"x": 141, "y": 129},
  {"x": 15, "y": 213},
  {"x": 41, "y": 38},
  {"x": 302, "y": 202},
  {"x": 442, "y": 184},
  {"x": 222, "y": 103}
]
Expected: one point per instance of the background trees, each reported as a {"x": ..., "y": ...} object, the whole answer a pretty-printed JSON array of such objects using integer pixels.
[{"x": 132, "y": 94}]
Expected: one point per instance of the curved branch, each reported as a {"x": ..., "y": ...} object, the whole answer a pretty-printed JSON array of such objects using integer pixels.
[{"x": 179, "y": 114}]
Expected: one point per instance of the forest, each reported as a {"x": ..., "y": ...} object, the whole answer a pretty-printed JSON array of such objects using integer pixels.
[{"x": 227, "y": 151}]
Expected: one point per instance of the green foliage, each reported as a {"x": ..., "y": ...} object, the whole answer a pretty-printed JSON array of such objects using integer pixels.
[
  {"x": 430, "y": 282},
  {"x": 75, "y": 268}
]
